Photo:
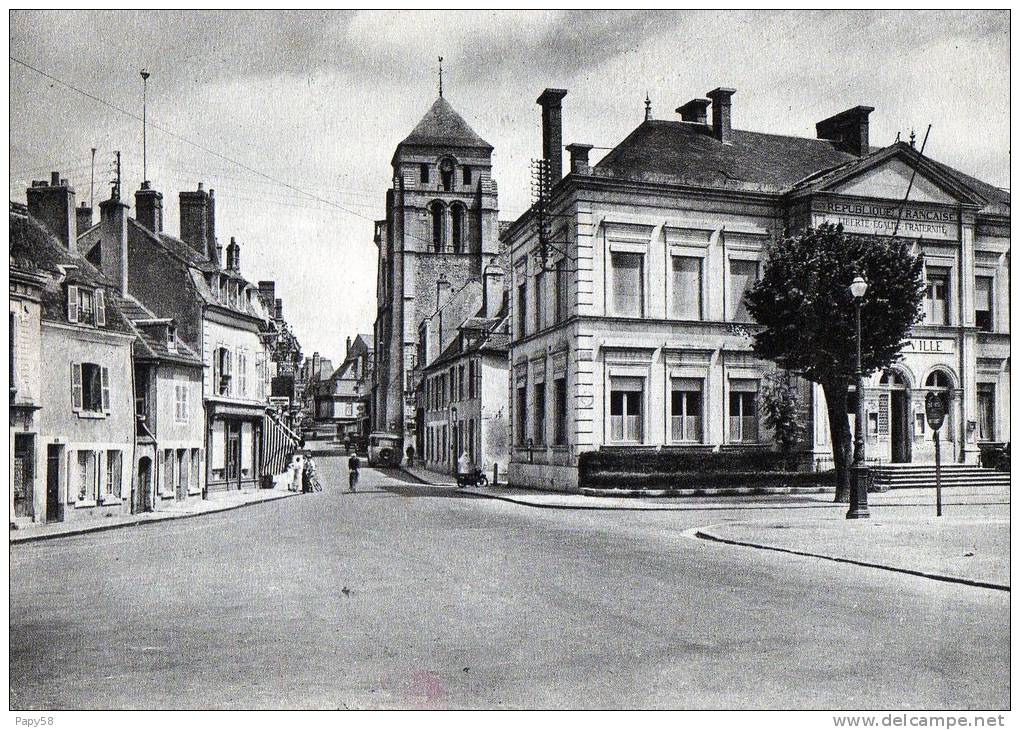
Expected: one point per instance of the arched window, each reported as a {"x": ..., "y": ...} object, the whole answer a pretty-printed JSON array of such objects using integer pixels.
[
  {"x": 438, "y": 229},
  {"x": 457, "y": 227},
  {"x": 892, "y": 378},
  {"x": 938, "y": 379}
]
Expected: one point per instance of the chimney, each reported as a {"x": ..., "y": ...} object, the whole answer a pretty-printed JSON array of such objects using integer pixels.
[
  {"x": 579, "y": 158},
  {"x": 278, "y": 311},
  {"x": 83, "y": 218},
  {"x": 315, "y": 365},
  {"x": 212, "y": 250},
  {"x": 848, "y": 130},
  {"x": 722, "y": 124},
  {"x": 348, "y": 350},
  {"x": 233, "y": 255},
  {"x": 443, "y": 291},
  {"x": 696, "y": 111},
  {"x": 149, "y": 208},
  {"x": 492, "y": 288},
  {"x": 113, "y": 239},
  {"x": 267, "y": 293},
  {"x": 53, "y": 206},
  {"x": 195, "y": 219},
  {"x": 551, "y": 102}
]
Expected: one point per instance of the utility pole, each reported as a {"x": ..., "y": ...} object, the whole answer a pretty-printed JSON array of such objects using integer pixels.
[{"x": 145, "y": 90}]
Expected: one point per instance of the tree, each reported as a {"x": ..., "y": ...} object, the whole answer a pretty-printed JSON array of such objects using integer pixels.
[
  {"x": 781, "y": 412},
  {"x": 807, "y": 315}
]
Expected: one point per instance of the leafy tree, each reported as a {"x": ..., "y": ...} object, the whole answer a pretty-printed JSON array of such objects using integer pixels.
[
  {"x": 806, "y": 310},
  {"x": 781, "y": 411}
]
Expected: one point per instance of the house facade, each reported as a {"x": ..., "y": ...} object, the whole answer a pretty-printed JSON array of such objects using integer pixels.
[
  {"x": 629, "y": 327},
  {"x": 74, "y": 420}
]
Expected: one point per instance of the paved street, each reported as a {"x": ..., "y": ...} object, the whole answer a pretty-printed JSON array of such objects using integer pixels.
[{"x": 410, "y": 596}]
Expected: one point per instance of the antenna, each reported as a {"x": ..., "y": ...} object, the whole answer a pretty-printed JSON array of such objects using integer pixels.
[
  {"x": 440, "y": 76},
  {"x": 648, "y": 107},
  {"x": 145, "y": 88},
  {"x": 116, "y": 181},
  {"x": 899, "y": 213},
  {"x": 92, "y": 185}
]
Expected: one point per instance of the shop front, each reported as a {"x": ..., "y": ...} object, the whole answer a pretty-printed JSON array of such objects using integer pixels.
[{"x": 234, "y": 440}]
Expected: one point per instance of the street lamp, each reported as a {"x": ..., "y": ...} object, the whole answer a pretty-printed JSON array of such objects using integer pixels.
[
  {"x": 453, "y": 438},
  {"x": 859, "y": 469}
]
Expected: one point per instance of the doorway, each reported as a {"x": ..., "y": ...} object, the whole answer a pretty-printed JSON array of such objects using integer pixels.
[
  {"x": 143, "y": 497},
  {"x": 24, "y": 475},
  {"x": 234, "y": 453},
  {"x": 53, "y": 454},
  {"x": 899, "y": 427}
]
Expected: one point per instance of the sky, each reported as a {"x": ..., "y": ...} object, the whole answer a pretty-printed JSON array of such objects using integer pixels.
[{"x": 309, "y": 106}]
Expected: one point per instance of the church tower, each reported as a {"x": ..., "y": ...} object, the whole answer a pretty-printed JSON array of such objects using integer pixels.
[{"x": 440, "y": 231}]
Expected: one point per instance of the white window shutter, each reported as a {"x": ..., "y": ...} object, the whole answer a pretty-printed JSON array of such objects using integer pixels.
[
  {"x": 76, "y": 386},
  {"x": 100, "y": 308},
  {"x": 72, "y": 303},
  {"x": 106, "y": 390}
]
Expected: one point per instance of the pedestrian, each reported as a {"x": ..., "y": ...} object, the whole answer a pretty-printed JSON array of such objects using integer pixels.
[
  {"x": 464, "y": 465},
  {"x": 353, "y": 465},
  {"x": 410, "y": 455}
]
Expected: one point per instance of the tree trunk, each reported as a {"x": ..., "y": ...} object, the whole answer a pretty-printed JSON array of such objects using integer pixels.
[{"x": 839, "y": 433}]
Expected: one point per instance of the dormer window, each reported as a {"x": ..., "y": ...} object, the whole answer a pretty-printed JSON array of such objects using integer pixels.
[
  {"x": 171, "y": 338},
  {"x": 86, "y": 305}
]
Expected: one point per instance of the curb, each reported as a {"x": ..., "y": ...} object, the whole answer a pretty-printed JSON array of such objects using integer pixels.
[
  {"x": 707, "y": 492},
  {"x": 709, "y": 537},
  {"x": 141, "y": 522}
]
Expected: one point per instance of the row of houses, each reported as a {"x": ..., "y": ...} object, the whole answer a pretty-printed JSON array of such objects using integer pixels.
[
  {"x": 141, "y": 363},
  {"x": 625, "y": 326}
]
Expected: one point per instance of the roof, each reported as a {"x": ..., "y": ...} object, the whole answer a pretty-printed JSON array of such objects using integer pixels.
[
  {"x": 690, "y": 151},
  {"x": 442, "y": 126},
  {"x": 33, "y": 248},
  {"x": 150, "y": 341}
]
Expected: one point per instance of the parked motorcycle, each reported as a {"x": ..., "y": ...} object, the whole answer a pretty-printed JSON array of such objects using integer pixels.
[{"x": 474, "y": 478}]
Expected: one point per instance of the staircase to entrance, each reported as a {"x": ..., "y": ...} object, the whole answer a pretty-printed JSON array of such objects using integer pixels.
[{"x": 911, "y": 476}]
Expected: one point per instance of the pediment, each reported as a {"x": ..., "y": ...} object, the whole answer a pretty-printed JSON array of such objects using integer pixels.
[{"x": 890, "y": 179}]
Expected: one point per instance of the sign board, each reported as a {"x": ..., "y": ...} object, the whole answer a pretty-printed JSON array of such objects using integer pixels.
[
  {"x": 930, "y": 346},
  {"x": 879, "y": 219},
  {"x": 935, "y": 407}
]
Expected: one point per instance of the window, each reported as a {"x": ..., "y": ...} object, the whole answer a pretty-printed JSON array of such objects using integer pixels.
[
  {"x": 743, "y": 275},
  {"x": 522, "y": 310},
  {"x": 114, "y": 463},
  {"x": 686, "y": 287},
  {"x": 180, "y": 403},
  {"x": 87, "y": 477},
  {"x": 90, "y": 388},
  {"x": 685, "y": 410},
  {"x": 183, "y": 469},
  {"x": 986, "y": 411},
  {"x": 743, "y": 411},
  {"x": 457, "y": 227},
  {"x": 196, "y": 474},
  {"x": 938, "y": 380},
  {"x": 522, "y": 415},
  {"x": 169, "y": 470},
  {"x": 936, "y": 297},
  {"x": 171, "y": 338},
  {"x": 446, "y": 174},
  {"x": 222, "y": 371},
  {"x": 438, "y": 213},
  {"x": 560, "y": 406},
  {"x": 260, "y": 375},
  {"x": 983, "y": 312},
  {"x": 561, "y": 290},
  {"x": 625, "y": 409},
  {"x": 472, "y": 366},
  {"x": 539, "y": 434},
  {"x": 460, "y": 383},
  {"x": 539, "y": 293},
  {"x": 423, "y": 172},
  {"x": 242, "y": 372},
  {"x": 471, "y": 440},
  {"x": 467, "y": 175},
  {"x": 86, "y": 306},
  {"x": 628, "y": 284}
]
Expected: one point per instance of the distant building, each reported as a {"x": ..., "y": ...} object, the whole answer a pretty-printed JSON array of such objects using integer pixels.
[
  {"x": 441, "y": 224},
  {"x": 72, "y": 405},
  {"x": 339, "y": 402},
  {"x": 630, "y": 329}
]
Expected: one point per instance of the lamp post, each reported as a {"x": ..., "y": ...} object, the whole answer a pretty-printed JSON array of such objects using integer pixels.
[
  {"x": 859, "y": 469},
  {"x": 453, "y": 438}
]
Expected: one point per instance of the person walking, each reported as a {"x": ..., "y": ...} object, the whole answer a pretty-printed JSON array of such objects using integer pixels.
[
  {"x": 410, "y": 455},
  {"x": 353, "y": 464}
]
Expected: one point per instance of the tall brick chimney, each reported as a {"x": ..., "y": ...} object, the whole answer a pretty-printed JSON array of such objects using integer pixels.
[
  {"x": 722, "y": 124},
  {"x": 83, "y": 217},
  {"x": 211, "y": 249},
  {"x": 695, "y": 111},
  {"x": 848, "y": 130},
  {"x": 492, "y": 290},
  {"x": 53, "y": 205},
  {"x": 195, "y": 219},
  {"x": 114, "y": 242},
  {"x": 443, "y": 291},
  {"x": 149, "y": 208},
  {"x": 267, "y": 293},
  {"x": 233, "y": 255},
  {"x": 551, "y": 102},
  {"x": 348, "y": 350}
]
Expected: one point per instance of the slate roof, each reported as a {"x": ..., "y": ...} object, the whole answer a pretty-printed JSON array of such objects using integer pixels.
[
  {"x": 442, "y": 126},
  {"x": 676, "y": 149},
  {"x": 33, "y": 248},
  {"x": 150, "y": 342}
]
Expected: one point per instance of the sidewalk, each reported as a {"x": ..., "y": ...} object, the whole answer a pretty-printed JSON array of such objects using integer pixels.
[
  {"x": 715, "y": 499},
  {"x": 970, "y": 550},
  {"x": 217, "y": 502}
]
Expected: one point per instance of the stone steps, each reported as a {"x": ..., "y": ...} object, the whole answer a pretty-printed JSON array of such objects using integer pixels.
[{"x": 910, "y": 476}]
